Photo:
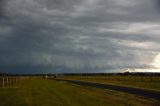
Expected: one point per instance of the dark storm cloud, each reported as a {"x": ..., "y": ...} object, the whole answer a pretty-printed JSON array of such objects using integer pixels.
[
  {"x": 78, "y": 35},
  {"x": 157, "y": 4},
  {"x": 1, "y": 8}
]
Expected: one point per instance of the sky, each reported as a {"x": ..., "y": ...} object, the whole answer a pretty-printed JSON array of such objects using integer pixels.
[{"x": 61, "y": 36}]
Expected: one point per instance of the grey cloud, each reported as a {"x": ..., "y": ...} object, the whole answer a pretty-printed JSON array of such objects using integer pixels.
[
  {"x": 78, "y": 35},
  {"x": 157, "y": 4},
  {"x": 1, "y": 8}
]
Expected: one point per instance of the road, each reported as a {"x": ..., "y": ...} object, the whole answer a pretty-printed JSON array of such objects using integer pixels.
[{"x": 131, "y": 90}]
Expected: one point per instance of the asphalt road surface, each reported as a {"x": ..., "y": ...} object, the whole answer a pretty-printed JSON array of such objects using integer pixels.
[{"x": 136, "y": 91}]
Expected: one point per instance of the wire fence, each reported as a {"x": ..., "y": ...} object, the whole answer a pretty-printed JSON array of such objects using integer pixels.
[
  {"x": 129, "y": 78},
  {"x": 10, "y": 80}
]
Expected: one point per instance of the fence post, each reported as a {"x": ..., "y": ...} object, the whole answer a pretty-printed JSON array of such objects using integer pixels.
[
  {"x": 3, "y": 82},
  {"x": 7, "y": 80}
]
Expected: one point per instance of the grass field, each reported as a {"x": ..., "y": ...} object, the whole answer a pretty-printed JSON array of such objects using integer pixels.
[
  {"x": 145, "y": 82},
  {"x": 44, "y": 92}
]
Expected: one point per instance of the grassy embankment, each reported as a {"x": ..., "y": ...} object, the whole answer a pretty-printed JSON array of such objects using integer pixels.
[
  {"x": 43, "y": 92},
  {"x": 145, "y": 82}
]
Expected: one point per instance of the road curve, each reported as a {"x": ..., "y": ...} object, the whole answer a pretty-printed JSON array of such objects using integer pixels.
[{"x": 136, "y": 91}]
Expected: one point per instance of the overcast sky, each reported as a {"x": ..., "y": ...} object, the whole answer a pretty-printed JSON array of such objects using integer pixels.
[{"x": 47, "y": 36}]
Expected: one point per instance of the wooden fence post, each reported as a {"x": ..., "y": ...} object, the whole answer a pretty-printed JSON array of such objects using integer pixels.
[
  {"x": 3, "y": 82},
  {"x": 7, "y": 80}
]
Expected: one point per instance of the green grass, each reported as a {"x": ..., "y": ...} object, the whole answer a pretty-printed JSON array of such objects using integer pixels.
[
  {"x": 132, "y": 81},
  {"x": 43, "y": 92}
]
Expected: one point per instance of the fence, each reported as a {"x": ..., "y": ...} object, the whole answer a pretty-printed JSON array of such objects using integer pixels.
[
  {"x": 8, "y": 81},
  {"x": 128, "y": 78}
]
